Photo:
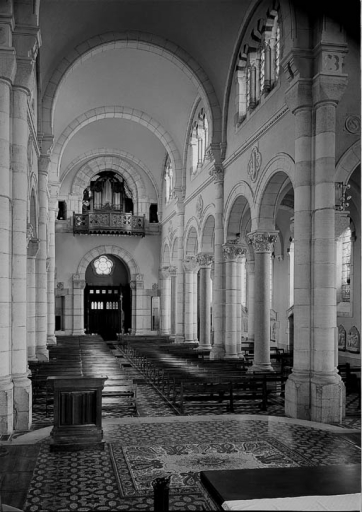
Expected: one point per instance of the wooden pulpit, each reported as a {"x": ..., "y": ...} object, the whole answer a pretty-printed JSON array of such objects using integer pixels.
[{"x": 77, "y": 413}]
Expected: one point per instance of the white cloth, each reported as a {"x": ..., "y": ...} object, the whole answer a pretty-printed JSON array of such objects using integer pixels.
[{"x": 340, "y": 502}]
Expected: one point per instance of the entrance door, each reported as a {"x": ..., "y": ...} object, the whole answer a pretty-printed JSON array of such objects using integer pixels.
[{"x": 103, "y": 310}]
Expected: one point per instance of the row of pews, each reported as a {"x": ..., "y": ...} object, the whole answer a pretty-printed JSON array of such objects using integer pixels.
[{"x": 187, "y": 378}]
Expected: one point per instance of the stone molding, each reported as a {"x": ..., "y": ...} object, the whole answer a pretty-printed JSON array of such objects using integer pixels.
[
  {"x": 205, "y": 259},
  {"x": 232, "y": 251},
  {"x": 262, "y": 242},
  {"x": 78, "y": 283}
]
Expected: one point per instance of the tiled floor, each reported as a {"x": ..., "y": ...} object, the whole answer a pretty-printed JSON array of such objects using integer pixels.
[{"x": 160, "y": 443}]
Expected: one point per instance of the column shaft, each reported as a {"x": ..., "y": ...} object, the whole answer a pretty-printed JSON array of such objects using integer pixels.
[
  {"x": 205, "y": 302},
  {"x": 180, "y": 336},
  {"x": 189, "y": 306},
  {"x": 165, "y": 302},
  {"x": 51, "y": 277},
  {"x": 78, "y": 306},
  {"x": 30, "y": 305}
]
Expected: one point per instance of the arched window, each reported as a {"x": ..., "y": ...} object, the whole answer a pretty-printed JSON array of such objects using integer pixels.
[
  {"x": 346, "y": 243},
  {"x": 199, "y": 139},
  {"x": 257, "y": 68}
]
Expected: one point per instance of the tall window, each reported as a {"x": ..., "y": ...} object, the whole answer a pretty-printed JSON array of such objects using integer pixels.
[
  {"x": 257, "y": 68},
  {"x": 199, "y": 138},
  {"x": 346, "y": 264}
]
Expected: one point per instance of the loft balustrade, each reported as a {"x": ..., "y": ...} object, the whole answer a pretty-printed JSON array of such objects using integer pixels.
[{"x": 111, "y": 222}]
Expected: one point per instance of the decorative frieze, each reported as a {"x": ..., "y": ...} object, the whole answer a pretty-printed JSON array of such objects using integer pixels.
[
  {"x": 205, "y": 259},
  {"x": 262, "y": 242}
]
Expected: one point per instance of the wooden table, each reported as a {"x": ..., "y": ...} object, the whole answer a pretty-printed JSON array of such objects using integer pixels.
[{"x": 248, "y": 484}]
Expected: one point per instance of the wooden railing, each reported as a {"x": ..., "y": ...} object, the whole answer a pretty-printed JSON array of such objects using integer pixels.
[{"x": 108, "y": 223}]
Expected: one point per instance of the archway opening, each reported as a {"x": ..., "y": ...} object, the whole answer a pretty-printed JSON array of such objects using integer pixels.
[{"x": 107, "y": 298}]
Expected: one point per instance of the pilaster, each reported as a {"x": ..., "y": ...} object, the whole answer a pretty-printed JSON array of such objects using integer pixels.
[
  {"x": 33, "y": 247},
  {"x": 190, "y": 268},
  {"x": 78, "y": 305},
  {"x": 53, "y": 208},
  {"x": 164, "y": 275}
]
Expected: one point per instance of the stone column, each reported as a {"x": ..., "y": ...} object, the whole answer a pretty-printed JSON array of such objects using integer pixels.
[
  {"x": 195, "y": 293},
  {"x": 190, "y": 267},
  {"x": 263, "y": 247},
  {"x": 141, "y": 313},
  {"x": 173, "y": 273},
  {"x": 232, "y": 254},
  {"x": 7, "y": 75},
  {"x": 218, "y": 349},
  {"x": 165, "y": 300},
  {"x": 327, "y": 388},
  {"x": 297, "y": 392},
  {"x": 19, "y": 163},
  {"x": 53, "y": 208},
  {"x": 78, "y": 305},
  {"x": 41, "y": 261},
  {"x": 205, "y": 261},
  {"x": 180, "y": 332},
  {"x": 250, "y": 269},
  {"x": 33, "y": 247}
]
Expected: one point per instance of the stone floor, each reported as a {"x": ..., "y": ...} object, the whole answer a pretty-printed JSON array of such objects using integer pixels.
[{"x": 157, "y": 443}]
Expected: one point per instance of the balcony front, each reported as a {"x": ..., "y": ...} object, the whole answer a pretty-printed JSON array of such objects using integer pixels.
[{"x": 109, "y": 223}]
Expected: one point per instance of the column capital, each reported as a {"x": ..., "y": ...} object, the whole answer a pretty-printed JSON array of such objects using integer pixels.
[
  {"x": 7, "y": 64},
  {"x": 233, "y": 251},
  {"x": 217, "y": 172},
  {"x": 172, "y": 270},
  {"x": 205, "y": 259},
  {"x": 262, "y": 241},
  {"x": 328, "y": 88},
  {"x": 46, "y": 143},
  {"x": 164, "y": 272},
  {"x": 43, "y": 164},
  {"x": 190, "y": 264},
  {"x": 78, "y": 283}
]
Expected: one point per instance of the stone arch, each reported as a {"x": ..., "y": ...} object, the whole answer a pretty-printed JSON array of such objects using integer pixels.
[
  {"x": 114, "y": 154},
  {"x": 119, "y": 252},
  {"x": 208, "y": 234},
  {"x": 109, "y": 112},
  {"x": 348, "y": 162},
  {"x": 140, "y": 41},
  {"x": 191, "y": 241},
  {"x": 272, "y": 181},
  {"x": 240, "y": 190},
  {"x": 93, "y": 167}
]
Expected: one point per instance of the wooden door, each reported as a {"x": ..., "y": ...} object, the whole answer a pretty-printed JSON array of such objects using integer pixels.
[{"x": 103, "y": 311}]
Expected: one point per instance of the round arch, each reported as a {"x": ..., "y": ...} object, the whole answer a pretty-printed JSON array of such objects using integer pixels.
[
  {"x": 121, "y": 113},
  {"x": 115, "y": 155},
  {"x": 119, "y": 252},
  {"x": 272, "y": 180},
  {"x": 143, "y": 42},
  {"x": 208, "y": 234},
  {"x": 348, "y": 162}
]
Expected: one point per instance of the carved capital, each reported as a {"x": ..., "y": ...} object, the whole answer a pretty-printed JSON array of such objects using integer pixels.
[
  {"x": 232, "y": 251},
  {"x": 43, "y": 164},
  {"x": 205, "y": 259},
  {"x": 46, "y": 143},
  {"x": 217, "y": 172},
  {"x": 172, "y": 270},
  {"x": 164, "y": 272},
  {"x": 262, "y": 242},
  {"x": 191, "y": 264},
  {"x": 78, "y": 284},
  {"x": 139, "y": 277},
  {"x": 7, "y": 64}
]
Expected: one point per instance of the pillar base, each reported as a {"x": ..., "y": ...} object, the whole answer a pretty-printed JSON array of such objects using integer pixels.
[
  {"x": 260, "y": 367},
  {"x": 31, "y": 354},
  {"x": 51, "y": 339},
  {"x": 6, "y": 408},
  {"x": 297, "y": 395},
  {"x": 328, "y": 398},
  {"x": 78, "y": 332},
  {"x": 204, "y": 347},
  {"x": 42, "y": 354},
  {"x": 22, "y": 402},
  {"x": 217, "y": 352},
  {"x": 179, "y": 338},
  {"x": 231, "y": 356}
]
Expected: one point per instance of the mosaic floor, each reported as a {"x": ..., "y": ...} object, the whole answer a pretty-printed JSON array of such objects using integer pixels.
[
  {"x": 155, "y": 442},
  {"x": 142, "y": 449}
]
